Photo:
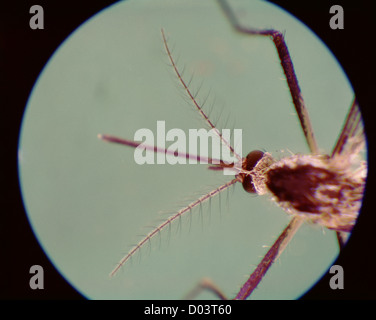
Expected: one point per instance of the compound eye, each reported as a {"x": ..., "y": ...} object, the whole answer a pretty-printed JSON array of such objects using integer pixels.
[
  {"x": 252, "y": 158},
  {"x": 248, "y": 184},
  {"x": 249, "y": 163}
]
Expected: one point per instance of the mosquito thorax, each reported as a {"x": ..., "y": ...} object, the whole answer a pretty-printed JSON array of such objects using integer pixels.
[
  {"x": 319, "y": 188},
  {"x": 249, "y": 163}
]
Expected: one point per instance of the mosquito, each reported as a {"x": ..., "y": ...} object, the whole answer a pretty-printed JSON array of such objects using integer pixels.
[{"x": 317, "y": 188}]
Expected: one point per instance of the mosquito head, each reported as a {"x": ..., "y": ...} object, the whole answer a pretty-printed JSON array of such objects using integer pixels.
[{"x": 249, "y": 162}]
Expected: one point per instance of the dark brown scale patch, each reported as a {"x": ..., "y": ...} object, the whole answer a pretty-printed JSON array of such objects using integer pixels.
[
  {"x": 249, "y": 163},
  {"x": 298, "y": 185}
]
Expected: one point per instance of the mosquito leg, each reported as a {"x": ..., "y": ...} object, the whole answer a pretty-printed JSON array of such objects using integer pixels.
[
  {"x": 273, "y": 253},
  {"x": 288, "y": 70},
  {"x": 341, "y": 238},
  {"x": 349, "y": 143},
  {"x": 352, "y": 128},
  {"x": 205, "y": 285}
]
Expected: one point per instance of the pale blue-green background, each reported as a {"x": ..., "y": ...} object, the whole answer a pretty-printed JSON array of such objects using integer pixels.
[{"x": 87, "y": 200}]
